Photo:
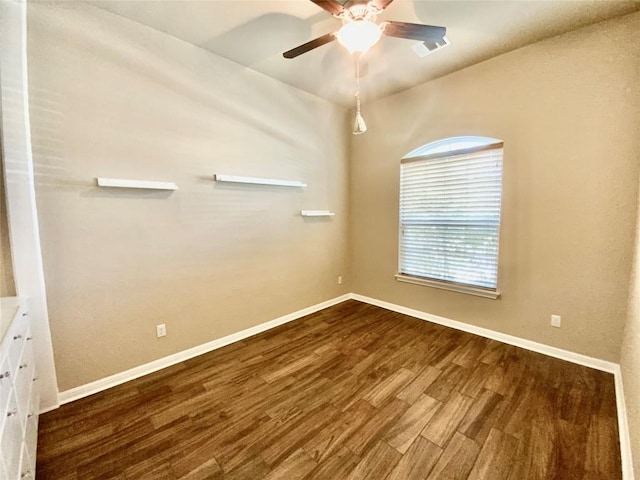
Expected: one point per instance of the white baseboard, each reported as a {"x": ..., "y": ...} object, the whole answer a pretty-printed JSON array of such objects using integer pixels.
[
  {"x": 578, "y": 358},
  {"x": 49, "y": 408},
  {"x": 136, "y": 372},
  {"x": 596, "y": 363},
  {"x": 623, "y": 428}
]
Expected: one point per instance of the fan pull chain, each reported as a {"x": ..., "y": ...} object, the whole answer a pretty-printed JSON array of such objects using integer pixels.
[
  {"x": 358, "y": 79},
  {"x": 359, "y": 127}
]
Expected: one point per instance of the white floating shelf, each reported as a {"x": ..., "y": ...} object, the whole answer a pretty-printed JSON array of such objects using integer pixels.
[
  {"x": 316, "y": 213},
  {"x": 124, "y": 183},
  {"x": 258, "y": 181}
]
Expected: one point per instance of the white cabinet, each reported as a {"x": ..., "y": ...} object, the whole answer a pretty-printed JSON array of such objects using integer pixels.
[{"x": 18, "y": 394}]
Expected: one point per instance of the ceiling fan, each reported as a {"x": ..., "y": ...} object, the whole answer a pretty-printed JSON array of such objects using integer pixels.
[{"x": 359, "y": 31}]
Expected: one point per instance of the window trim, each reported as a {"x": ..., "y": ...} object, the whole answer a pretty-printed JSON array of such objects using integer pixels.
[
  {"x": 454, "y": 153},
  {"x": 451, "y": 286},
  {"x": 490, "y": 293}
]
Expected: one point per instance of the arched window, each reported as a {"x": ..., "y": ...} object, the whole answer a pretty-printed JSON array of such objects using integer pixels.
[{"x": 450, "y": 200}]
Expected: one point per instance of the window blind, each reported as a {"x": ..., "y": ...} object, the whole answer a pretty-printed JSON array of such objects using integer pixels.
[{"x": 450, "y": 216}]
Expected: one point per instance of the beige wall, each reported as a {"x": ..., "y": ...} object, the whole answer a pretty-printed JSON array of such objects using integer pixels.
[
  {"x": 630, "y": 359},
  {"x": 567, "y": 110},
  {"x": 112, "y": 98},
  {"x": 7, "y": 285}
]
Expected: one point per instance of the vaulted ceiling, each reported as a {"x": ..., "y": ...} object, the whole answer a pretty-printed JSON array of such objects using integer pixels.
[{"x": 254, "y": 33}]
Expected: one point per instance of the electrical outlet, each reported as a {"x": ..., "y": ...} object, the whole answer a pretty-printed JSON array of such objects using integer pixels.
[
  {"x": 161, "y": 330},
  {"x": 556, "y": 321},
  {"x": 340, "y": 280}
]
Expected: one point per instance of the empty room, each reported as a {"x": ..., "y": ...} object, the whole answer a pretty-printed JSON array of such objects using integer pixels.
[{"x": 319, "y": 239}]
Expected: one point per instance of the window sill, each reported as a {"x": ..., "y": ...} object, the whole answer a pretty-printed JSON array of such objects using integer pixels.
[{"x": 469, "y": 290}]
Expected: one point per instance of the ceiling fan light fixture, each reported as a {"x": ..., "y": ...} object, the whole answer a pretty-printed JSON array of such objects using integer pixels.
[{"x": 359, "y": 36}]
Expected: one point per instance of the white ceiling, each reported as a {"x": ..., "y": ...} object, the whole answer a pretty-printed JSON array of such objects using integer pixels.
[{"x": 254, "y": 33}]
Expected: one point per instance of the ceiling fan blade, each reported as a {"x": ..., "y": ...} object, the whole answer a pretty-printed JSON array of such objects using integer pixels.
[
  {"x": 380, "y": 4},
  {"x": 332, "y": 6},
  {"x": 413, "y": 31},
  {"x": 305, "y": 47}
]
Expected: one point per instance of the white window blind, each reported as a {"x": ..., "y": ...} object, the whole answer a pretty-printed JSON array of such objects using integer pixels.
[{"x": 450, "y": 216}]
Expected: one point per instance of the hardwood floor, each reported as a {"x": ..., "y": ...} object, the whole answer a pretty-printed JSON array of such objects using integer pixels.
[{"x": 351, "y": 392}]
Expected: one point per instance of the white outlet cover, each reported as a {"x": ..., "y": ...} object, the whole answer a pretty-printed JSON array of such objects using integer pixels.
[{"x": 556, "y": 321}]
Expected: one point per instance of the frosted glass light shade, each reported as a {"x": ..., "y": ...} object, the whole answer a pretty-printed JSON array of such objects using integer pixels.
[{"x": 359, "y": 35}]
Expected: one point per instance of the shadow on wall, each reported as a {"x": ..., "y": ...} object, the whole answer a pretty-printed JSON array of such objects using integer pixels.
[
  {"x": 249, "y": 44},
  {"x": 202, "y": 90}
]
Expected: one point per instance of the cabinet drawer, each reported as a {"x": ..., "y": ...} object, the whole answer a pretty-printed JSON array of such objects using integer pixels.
[
  {"x": 31, "y": 430},
  {"x": 11, "y": 439},
  {"x": 15, "y": 341},
  {"x": 3, "y": 471},
  {"x": 27, "y": 466},
  {"x": 5, "y": 387},
  {"x": 23, "y": 379}
]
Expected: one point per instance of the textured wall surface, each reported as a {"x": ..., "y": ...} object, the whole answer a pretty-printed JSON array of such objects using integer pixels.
[
  {"x": 630, "y": 358},
  {"x": 112, "y": 98},
  {"x": 567, "y": 110}
]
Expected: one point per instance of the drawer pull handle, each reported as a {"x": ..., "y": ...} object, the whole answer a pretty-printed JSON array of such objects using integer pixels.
[
  {"x": 6, "y": 374},
  {"x": 17, "y": 337},
  {"x": 24, "y": 365},
  {"x": 26, "y": 474},
  {"x": 29, "y": 338},
  {"x": 30, "y": 415},
  {"x": 35, "y": 378},
  {"x": 13, "y": 412}
]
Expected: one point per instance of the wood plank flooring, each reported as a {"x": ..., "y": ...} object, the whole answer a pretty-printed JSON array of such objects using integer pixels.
[{"x": 351, "y": 392}]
